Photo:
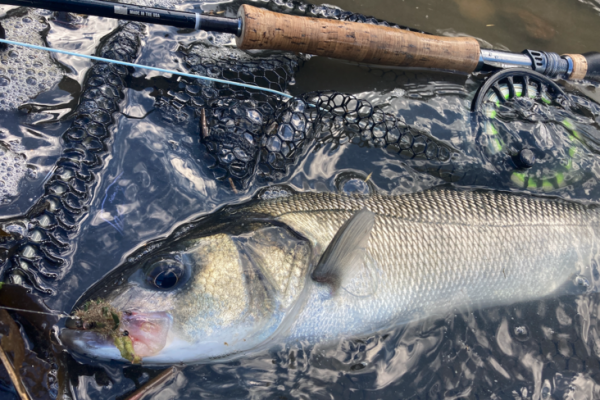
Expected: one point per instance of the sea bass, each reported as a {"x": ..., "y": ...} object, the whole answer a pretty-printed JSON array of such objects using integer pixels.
[{"x": 316, "y": 267}]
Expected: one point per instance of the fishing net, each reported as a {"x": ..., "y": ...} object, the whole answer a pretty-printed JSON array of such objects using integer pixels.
[
  {"x": 251, "y": 134},
  {"x": 37, "y": 247}
]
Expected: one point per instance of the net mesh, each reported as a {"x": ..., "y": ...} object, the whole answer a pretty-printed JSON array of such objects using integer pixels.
[
  {"x": 38, "y": 245},
  {"x": 251, "y": 134}
]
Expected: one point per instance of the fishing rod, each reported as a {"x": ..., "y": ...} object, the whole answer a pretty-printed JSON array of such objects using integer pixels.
[{"x": 257, "y": 28}]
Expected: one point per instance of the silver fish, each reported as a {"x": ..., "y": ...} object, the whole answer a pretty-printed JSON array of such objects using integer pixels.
[{"x": 316, "y": 267}]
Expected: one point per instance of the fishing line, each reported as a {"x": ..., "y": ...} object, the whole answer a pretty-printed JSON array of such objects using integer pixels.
[
  {"x": 167, "y": 71},
  {"x": 55, "y": 314}
]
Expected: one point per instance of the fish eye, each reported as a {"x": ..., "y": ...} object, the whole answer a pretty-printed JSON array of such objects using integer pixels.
[{"x": 165, "y": 274}]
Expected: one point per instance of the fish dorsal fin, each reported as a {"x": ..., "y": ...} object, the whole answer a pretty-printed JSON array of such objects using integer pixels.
[{"x": 344, "y": 257}]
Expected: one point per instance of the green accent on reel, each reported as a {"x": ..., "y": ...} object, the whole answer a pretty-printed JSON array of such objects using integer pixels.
[
  {"x": 492, "y": 97},
  {"x": 518, "y": 178},
  {"x": 573, "y": 151},
  {"x": 530, "y": 179},
  {"x": 532, "y": 184},
  {"x": 547, "y": 186},
  {"x": 560, "y": 180},
  {"x": 569, "y": 165},
  {"x": 490, "y": 129},
  {"x": 567, "y": 123},
  {"x": 518, "y": 89},
  {"x": 496, "y": 145},
  {"x": 545, "y": 99}
]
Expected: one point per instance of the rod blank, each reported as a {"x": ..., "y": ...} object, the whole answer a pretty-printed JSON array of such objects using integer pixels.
[{"x": 178, "y": 19}]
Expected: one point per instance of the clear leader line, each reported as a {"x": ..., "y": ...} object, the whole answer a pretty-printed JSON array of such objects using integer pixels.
[{"x": 166, "y": 71}]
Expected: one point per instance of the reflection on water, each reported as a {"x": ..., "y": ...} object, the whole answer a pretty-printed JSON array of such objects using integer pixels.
[{"x": 156, "y": 177}]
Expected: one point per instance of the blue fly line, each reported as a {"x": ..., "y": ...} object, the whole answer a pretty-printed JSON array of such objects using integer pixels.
[{"x": 127, "y": 64}]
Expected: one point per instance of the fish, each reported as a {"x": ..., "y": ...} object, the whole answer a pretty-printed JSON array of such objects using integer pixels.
[{"x": 290, "y": 267}]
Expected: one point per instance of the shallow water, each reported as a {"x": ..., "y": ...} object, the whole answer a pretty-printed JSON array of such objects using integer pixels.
[{"x": 155, "y": 177}]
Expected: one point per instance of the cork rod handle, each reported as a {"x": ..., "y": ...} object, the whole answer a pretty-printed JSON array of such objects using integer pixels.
[{"x": 365, "y": 43}]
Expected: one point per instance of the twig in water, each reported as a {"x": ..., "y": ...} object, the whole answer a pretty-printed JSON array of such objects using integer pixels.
[
  {"x": 233, "y": 185},
  {"x": 14, "y": 376},
  {"x": 154, "y": 383},
  {"x": 204, "y": 125}
]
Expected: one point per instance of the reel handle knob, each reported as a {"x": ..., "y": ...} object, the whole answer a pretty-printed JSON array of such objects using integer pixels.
[{"x": 524, "y": 159}]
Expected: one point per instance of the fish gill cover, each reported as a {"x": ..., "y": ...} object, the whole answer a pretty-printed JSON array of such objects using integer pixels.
[{"x": 254, "y": 139}]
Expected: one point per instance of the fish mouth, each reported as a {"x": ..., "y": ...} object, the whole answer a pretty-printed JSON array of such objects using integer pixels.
[{"x": 138, "y": 335}]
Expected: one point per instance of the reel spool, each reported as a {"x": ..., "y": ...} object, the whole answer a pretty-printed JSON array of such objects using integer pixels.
[
  {"x": 507, "y": 84},
  {"x": 509, "y": 92}
]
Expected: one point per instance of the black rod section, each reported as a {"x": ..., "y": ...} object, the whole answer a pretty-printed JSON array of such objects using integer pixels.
[{"x": 179, "y": 19}]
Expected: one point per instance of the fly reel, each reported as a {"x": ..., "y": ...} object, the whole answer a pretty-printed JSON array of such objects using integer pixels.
[
  {"x": 548, "y": 150},
  {"x": 508, "y": 84}
]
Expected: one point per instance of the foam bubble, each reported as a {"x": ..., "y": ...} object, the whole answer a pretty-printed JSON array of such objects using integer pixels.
[
  {"x": 25, "y": 73},
  {"x": 12, "y": 170}
]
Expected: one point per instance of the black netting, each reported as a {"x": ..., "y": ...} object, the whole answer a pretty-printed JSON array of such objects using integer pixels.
[
  {"x": 39, "y": 245},
  {"x": 332, "y": 116},
  {"x": 249, "y": 133}
]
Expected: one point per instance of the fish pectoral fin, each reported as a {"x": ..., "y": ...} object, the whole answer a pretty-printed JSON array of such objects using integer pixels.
[{"x": 345, "y": 255}]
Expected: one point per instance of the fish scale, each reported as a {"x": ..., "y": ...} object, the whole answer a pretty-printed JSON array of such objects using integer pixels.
[{"x": 437, "y": 250}]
